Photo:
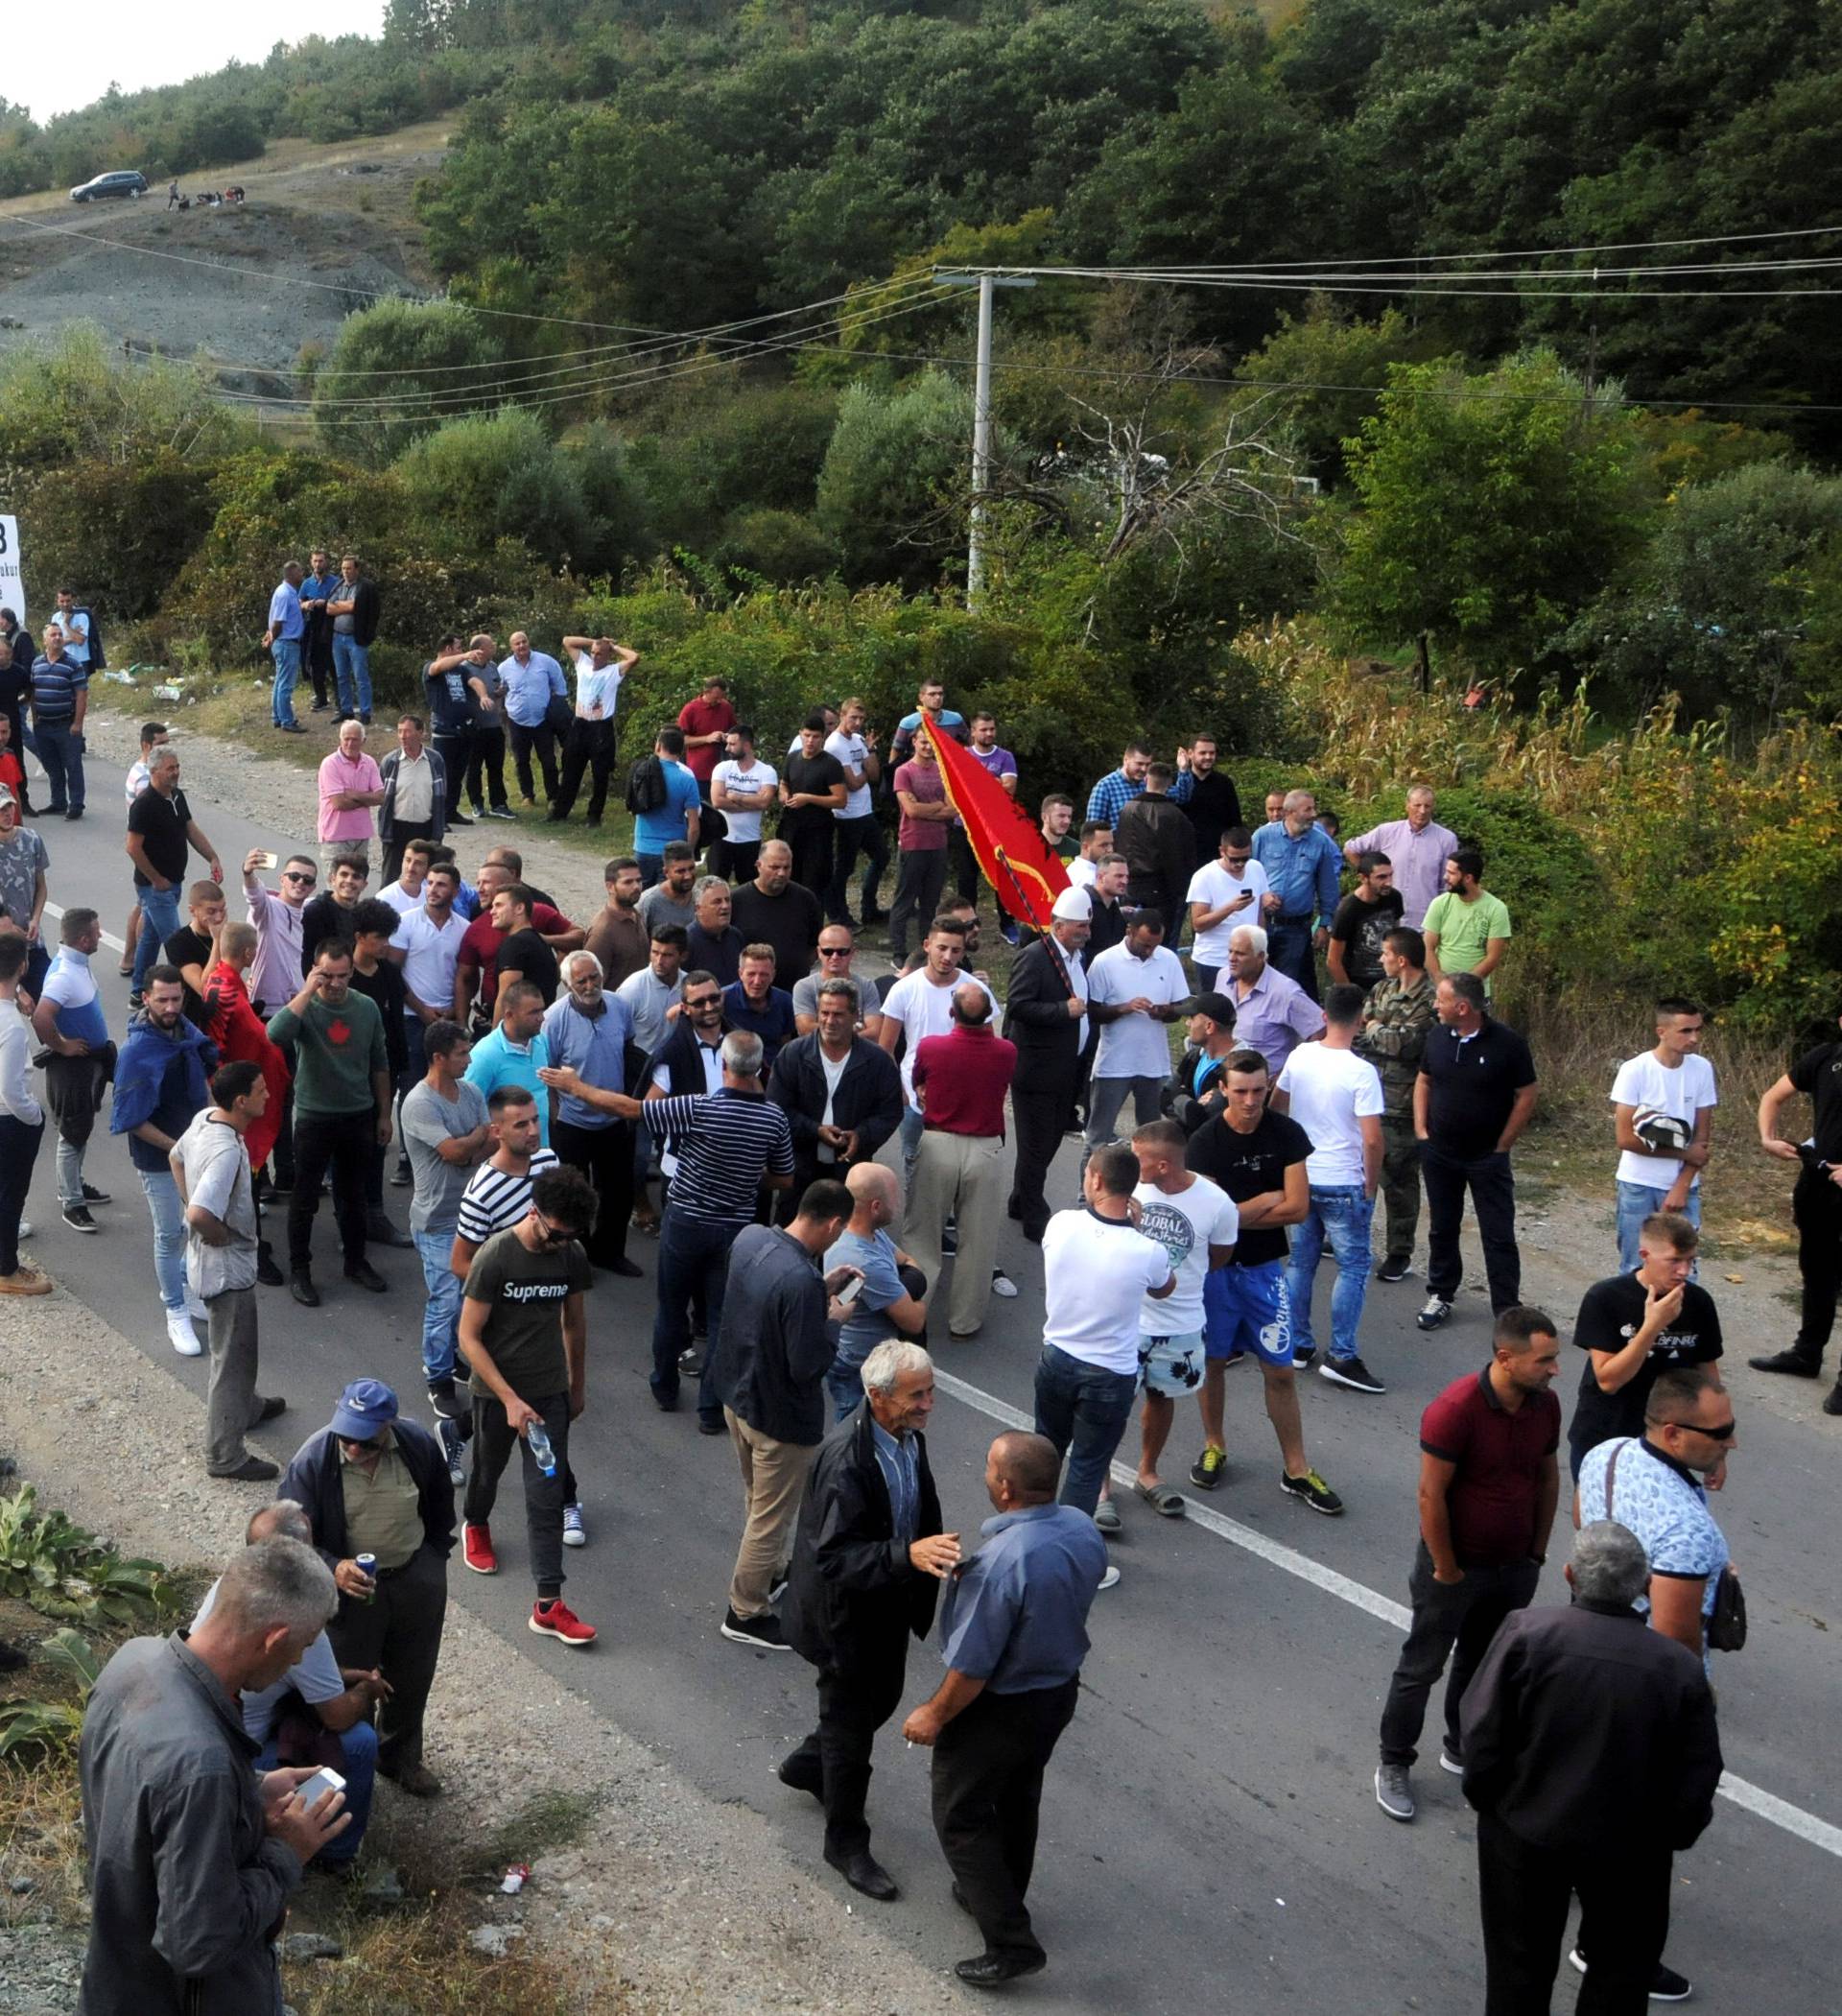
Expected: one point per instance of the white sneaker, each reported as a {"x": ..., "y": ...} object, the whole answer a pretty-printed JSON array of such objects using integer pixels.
[
  {"x": 1111, "y": 1578},
  {"x": 25, "y": 1228},
  {"x": 1003, "y": 1285},
  {"x": 185, "y": 1339},
  {"x": 575, "y": 1533}
]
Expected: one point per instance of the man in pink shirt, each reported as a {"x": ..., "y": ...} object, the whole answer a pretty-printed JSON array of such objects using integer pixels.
[
  {"x": 1418, "y": 848},
  {"x": 350, "y": 784}
]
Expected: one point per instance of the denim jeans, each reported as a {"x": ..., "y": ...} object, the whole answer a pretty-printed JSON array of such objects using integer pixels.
[
  {"x": 286, "y": 652},
  {"x": 1338, "y": 1216},
  {"x": 651, "y": 869},
  {"x": 441, "y": 1314},
  {"x": 1289, "y": 948},
  {"x": 352, "y": 670},
  {"x": 1083, "y": 1410},
  {"x": 844, "y": 1387},
  {"x": 913, "y": 1125},
  {"x": 1638, "y": 1202},
  {"x": 691, "y": 1250},
  {"x": 159, "y": 920},
  {"x": 61, "y": 749},
  {"x": 169, "y": 1236},
  {"x": 360, "y": 1774}
]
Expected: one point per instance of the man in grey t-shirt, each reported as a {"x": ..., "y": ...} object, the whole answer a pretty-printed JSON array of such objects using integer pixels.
[
  {"x": 211, "y": 1167},
  {"x": 445, "y": 1130}
]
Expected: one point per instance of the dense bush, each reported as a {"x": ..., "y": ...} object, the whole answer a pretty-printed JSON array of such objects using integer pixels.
[{"x": 398, "y": 371}]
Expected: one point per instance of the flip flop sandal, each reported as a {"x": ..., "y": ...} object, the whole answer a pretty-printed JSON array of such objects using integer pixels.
[
  {"x": 1106, "y": 1516},
  {"x": 1163, "y": 1499}
]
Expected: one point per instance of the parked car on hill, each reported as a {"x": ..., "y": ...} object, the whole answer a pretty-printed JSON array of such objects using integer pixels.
[{"x": 118, "y": 181}]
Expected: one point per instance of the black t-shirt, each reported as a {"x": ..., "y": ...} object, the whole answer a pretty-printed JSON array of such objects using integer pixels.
[
  {"x": 1214, "y": 806},
  {"x": 161, "y": 824},
  {"x": 325, "y": 917},
  {"x": 1471, "y": 1086},
  {"x": 452, "y": 705},
  {"x": 790, "y": 922},
  {"x": 1610, "y": 1315},
  {"x": 1818, "y": 1074},
  {"x": 1360, "y": 927},
  {"x": 525, "y": 954},
  {"x": 809, "y": 773},
  {"x": 385, "y": 987},
  {"x": 187, "y": 947},
  {"x": 1250, "y": 1165}
]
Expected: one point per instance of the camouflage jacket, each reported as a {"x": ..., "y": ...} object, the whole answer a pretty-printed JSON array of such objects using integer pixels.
[{"x": 1395, "y": 1035}]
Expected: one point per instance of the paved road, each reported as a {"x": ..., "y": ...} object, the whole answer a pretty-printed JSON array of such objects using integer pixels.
[{"x": 1209, "y": 1836}]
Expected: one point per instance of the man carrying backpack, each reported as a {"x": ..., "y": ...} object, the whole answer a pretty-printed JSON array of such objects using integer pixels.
[{"x": 662, "y": 796}]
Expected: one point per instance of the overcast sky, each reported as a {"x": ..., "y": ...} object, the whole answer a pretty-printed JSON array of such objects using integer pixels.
[{"x": 55, "y": 60}]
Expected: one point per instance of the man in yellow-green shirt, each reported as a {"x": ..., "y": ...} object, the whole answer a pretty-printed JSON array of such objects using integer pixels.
[{"x": 1467, "y": 929}]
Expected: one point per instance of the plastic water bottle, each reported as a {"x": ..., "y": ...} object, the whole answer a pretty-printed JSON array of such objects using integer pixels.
[{"x": 542, "y": 1454}]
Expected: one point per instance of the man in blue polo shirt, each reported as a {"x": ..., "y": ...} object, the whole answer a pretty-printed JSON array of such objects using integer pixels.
[
  {"x": 676, "y": 817},
  {"x": 532, "y": 678},
  {"x": 60, "y": 700},
  {"x": 282, "y": 641},
  {"x": 1301, "y": 862}
]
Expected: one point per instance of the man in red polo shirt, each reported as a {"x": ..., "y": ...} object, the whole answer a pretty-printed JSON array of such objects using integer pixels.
[
  {"x": 477, "y": 966},
  {"x": 960, "y": 1081},
  {"x": 1489, "y": 1481},
  {"x": 705, "y": 721}
]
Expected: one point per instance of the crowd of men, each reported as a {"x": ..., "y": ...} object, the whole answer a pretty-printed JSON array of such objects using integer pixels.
[{"x": 830, "y": 1139}]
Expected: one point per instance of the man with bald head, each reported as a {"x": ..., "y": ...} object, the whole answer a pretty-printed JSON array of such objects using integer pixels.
[
  {"x": 1013, "y": 1634},
  {"x": 960, "y": 1080},
  {"x": 893, "y": 1301}
]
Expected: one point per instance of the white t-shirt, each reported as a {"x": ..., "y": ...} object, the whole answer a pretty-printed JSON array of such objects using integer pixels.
[
  {"x": 744, "y": 827},
  {"x": 430, "y": 953},
  {"x": 851, "y": 750},
  {"x": 1641, "y": 1081},
  {"x": 1331, "y": 1091},
  {"x": 834, "y": 1076},
  {"x": 924, "y": 1010},
  {"x": 1081, "y": 872},
  {"x": 1186, "y": 1225},
  {"x": 1098, "y": 1272},
  {"x": 400, "y": 899},
  {"x": 1135, "y": 1046},
  {"x": 1213, "y": 885}
]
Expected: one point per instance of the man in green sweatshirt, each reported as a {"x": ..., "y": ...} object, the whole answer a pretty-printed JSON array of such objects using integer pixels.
[{"x": 342, "y": 1108}]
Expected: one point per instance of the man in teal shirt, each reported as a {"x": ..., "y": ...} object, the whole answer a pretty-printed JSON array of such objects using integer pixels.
[
  {"x": 516, "y": 1052},
  {"x": 675, "y": 818}
]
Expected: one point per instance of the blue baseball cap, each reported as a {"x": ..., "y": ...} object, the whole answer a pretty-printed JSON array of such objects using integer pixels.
[{"x": 364, "y": 1408}]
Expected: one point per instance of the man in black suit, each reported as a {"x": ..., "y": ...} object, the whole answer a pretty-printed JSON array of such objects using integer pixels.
[
  {"x": 867, "y": 1557},
  {"x": 1045, "y": 1018},
  {"x": 841, "y": 1094},
  {"x": 1592, "y": 1755}
]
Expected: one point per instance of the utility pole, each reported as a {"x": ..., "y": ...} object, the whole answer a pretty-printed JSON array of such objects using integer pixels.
[{"x": 980, "y": 424}]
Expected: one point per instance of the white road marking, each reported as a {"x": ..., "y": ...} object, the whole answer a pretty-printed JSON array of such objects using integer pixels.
[
  {"x": 114, "y": 944},
  {"x": 1752, "y": 1798}
]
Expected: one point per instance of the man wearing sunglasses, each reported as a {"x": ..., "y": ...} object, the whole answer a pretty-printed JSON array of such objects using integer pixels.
[{"x": 523, "y": 1330}]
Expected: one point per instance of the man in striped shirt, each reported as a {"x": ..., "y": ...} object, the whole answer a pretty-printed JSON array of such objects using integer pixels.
[
  {"x": 497, "y": 1195},
  {"x": 60, "y": 700}
]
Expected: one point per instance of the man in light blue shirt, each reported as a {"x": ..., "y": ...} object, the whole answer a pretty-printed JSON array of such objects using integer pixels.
[
  {"x": 587, "y": 1030},
  {"x": 1013, "y": 1634},
  {"x": 676, "y": 817},
  {"x": 891, "y": 1300},
  {"x": 1301, "y": 862},
  {"x": 533, "y": 679},
  {"x": 281, "y": 640},
  {"x": 515, "y": 1051}
]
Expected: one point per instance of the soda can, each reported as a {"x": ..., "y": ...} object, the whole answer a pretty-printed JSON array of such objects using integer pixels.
[{"x": 368, "y": 1565}]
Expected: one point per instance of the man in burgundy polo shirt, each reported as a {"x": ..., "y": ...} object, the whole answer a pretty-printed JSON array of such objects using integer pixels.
[
  {"x": 960, "y": 1081},
  {"x": 705, "y": 721},
  {"x": 1489, "y": 1481},
  {"x": 477, "y": 968}
]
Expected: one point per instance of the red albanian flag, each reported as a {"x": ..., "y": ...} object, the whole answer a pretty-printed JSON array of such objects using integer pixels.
[
  {"x": 1006, "y": 843},
  {"x": 238, "y": 1032}
]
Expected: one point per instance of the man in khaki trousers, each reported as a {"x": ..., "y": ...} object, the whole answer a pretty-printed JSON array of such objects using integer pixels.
[
  {"x": 775, "y": 1345},
  {"x": 960, "y": 1080}
]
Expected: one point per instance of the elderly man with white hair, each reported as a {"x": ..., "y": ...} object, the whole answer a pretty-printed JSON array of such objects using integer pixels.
[
  {"x": 1272, "y": 1014},
  {"x": 193, "y": 1857},
  {"x": 868, "y": 1556},
  {"x": 350, "y": 784},
  {"x": 587, "y": 1030}
]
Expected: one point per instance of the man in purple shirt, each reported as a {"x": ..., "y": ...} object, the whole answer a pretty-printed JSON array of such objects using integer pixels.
[
  {"x": 997, "y": 763},
  {"x": 1272, "y": 1014},
  {"x": 1418, "y": 848}
]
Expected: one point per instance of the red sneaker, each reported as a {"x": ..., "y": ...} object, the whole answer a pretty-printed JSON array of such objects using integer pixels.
[
  {"x": 556, "y": 1620},
  {"x": 476, "y": 1549}
]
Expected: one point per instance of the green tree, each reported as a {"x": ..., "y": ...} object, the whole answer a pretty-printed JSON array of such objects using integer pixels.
[
  {"x": 1328, "y": 368},
  {"x": 491, "y": 476},
  {"x": 398, "y": 370},
  {"x": 895, "y": 477},
  {"x": 1493, "y": 506}
]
